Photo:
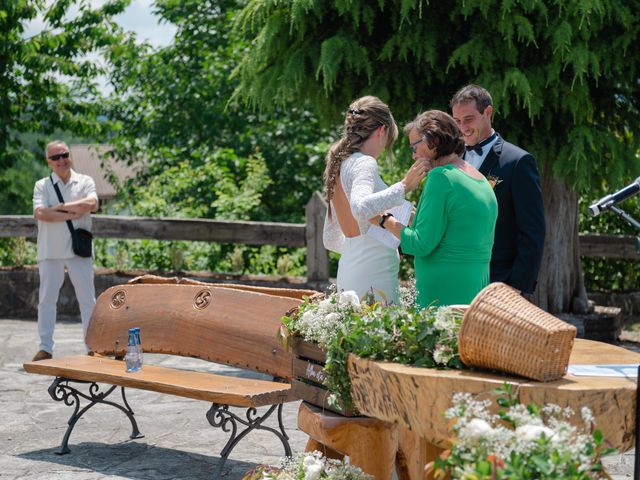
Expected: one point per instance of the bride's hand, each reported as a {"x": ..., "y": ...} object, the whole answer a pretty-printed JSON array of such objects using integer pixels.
[
  {"x": 415, "y": 174},
  {"x": 375, "y": 220}
]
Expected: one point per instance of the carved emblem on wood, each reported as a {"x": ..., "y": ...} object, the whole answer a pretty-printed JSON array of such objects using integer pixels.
[
  {"x": 118, "y": 299},
  {"x": 202, "y": 299}
]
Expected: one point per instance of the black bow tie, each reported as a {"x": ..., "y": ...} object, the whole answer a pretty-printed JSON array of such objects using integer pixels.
[{"x": 478, "y": 146}]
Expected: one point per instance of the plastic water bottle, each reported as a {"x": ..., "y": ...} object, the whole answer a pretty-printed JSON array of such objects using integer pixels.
[
  {"x": 131, "y": 358},
  {"x": 139, "y": 346}
]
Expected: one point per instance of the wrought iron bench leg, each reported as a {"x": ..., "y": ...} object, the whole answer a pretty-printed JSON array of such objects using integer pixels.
[
  {"x": 219, "y": 416},
  {"x": 61, "y": 391}
]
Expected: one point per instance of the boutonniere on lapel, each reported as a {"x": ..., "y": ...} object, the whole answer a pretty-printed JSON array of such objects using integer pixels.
[{"x": 493, "y": 180}]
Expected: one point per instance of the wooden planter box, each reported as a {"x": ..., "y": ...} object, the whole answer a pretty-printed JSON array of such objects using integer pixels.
[{"x": 308, "y": 375}]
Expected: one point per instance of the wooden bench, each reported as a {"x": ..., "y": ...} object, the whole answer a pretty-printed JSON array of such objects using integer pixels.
[{"x": 234, "y": 325}]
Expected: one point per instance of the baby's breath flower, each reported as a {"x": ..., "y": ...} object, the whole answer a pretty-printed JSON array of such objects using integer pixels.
[
  {"x": 313, "y": 466},
  {"x": 587, "y": 416},
  {"x": 530, "y": 433},
  {"x": 538, "y": 443}
]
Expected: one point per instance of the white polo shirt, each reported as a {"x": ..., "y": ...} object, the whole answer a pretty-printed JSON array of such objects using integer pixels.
[{"x": 54, "y": 238}]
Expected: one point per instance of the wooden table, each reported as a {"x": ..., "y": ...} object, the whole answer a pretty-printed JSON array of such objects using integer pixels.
[{"x": 416, "y": 398}]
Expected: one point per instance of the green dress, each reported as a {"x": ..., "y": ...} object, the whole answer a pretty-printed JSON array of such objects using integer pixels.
[{"x": 451, "y": 237}]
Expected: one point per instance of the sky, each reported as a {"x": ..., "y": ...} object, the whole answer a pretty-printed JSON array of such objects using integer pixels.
[{"x": 138, "y": 18}]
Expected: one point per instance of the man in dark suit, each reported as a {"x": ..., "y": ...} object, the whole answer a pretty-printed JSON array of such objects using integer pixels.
[{"x": 512, "y": 172}]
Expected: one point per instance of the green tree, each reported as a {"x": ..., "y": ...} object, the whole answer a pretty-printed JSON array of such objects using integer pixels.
[
  {"x": 564, "y": 77},
  {"x": 174, "y": 101},
  {"x": 47, "y": 81}
]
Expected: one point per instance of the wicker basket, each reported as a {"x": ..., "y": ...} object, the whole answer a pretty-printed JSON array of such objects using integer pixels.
[{"x": 503, "y": 331}]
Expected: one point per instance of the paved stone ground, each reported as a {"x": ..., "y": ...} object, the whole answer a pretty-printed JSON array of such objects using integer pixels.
[{"x": 179, "y": 443}]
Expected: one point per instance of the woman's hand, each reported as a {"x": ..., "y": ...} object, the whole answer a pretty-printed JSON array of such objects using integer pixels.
[
  {"x": 413, "y": 214},
  {"x": 415, "y": 174},
  {"x": 375, "y": 220}
]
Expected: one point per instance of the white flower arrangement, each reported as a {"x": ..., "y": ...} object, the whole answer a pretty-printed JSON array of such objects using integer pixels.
[
  {"x": 408, "y": 293},
  {"x": 308, "y": 466},
  {"x": 321, "y": 322},
  {"x": 340, "y": 324},
  {"x": 524, "y": 442}
]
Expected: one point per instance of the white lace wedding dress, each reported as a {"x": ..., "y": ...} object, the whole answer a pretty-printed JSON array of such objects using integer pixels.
[{"x": 365, "y": 264}]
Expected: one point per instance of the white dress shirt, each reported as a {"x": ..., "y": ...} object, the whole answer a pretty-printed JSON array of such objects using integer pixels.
[{"x": 476, "y": 160}]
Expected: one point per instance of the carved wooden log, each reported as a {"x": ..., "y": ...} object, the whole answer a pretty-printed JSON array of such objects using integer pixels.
[
  {"x": 417, "y": 397},
  {"x": 370, "y": 443}
]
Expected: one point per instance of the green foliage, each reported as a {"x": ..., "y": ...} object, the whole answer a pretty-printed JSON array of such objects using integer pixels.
[
  {"x": 17, "y": 252},
  {"x": 48, "y": 81},
  {"x": 557, "y": 87},
  {"x": 216, "y": 184},
  {"x": 397, "y": 333},
  {"x": 178, "y": 99}
]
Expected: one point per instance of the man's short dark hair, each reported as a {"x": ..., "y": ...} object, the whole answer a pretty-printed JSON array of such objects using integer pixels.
[
  {"x": 472, "y": 93},
  {"x": 440, "y": 131}
]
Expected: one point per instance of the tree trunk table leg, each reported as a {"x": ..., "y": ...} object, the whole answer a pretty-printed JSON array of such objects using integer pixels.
[
  {"x": 370, "y": 443},
  {"x": 326, "y": 451},
  {"x": 414, "y": 452}
]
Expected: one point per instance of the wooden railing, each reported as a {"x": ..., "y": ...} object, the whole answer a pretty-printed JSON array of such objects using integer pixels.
[
  {"x": 307, "y": 234},
  {"x": 608, "y": 246}
]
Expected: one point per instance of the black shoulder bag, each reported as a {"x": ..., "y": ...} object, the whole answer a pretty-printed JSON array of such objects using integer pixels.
[{"x": 80, "y": 238}]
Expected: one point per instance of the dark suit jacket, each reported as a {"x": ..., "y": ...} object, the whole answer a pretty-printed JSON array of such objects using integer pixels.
[{"x": 520, "y": 228}]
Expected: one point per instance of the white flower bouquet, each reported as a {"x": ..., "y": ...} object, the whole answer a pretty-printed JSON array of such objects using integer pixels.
[
  {"x": 322, "y": 321},
  {"x": 308, "y": 466},
  {"x": 523, "y": 442},
  {"x": 340, "y": 325}
]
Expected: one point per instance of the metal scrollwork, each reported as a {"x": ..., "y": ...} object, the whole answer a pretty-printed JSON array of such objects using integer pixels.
[
  {"x": 60, "y": 390},
  {"x": 219, "y": 416},
  {"x": 202, "y": 299},
  {"x": 118, "y": 299}
]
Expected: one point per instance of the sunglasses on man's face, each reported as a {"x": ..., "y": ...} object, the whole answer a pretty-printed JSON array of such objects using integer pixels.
[{"x": 58, "y": 156}]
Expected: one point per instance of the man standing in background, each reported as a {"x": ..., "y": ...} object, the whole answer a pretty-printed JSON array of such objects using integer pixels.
[
  {"x": 55, "y": 251},
  {"x": 512, "y": 172}
]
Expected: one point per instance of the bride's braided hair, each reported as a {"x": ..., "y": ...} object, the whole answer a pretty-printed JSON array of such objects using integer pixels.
[{"x": 363, "y": 117}]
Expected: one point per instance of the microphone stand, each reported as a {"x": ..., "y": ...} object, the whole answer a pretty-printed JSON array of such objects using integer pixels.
[
  {"x": 630, "y": 220},
  {"x": 636, "y": 470}
]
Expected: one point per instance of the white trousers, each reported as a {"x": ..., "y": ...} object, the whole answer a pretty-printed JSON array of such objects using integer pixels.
[{"x": 51, "y": 279}]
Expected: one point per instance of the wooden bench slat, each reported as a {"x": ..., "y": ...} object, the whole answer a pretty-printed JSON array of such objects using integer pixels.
[{"x": 211, "y": 387}]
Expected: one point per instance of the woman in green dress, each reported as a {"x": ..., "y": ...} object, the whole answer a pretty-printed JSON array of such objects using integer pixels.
[{"x": 451, "y": 235}]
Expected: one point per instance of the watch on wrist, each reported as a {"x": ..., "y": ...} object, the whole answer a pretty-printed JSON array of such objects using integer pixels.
[{"x": 383, "y": 218}]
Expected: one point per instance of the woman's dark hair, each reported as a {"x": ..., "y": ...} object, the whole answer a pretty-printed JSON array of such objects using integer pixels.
[
  {"x": 440, "y": 132},
  {"x": 363, "y": 117}
]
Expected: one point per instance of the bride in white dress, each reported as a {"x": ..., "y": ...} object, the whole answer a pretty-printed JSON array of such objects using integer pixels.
[{"x": 355, "y": 193}]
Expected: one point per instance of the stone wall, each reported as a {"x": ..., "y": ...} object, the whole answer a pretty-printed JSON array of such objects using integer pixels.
[
  {"x": 19, "y": 288},
  {"x": 19, "y": 291},
  {"x": 629, "y": 304}
]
